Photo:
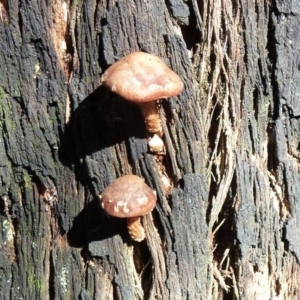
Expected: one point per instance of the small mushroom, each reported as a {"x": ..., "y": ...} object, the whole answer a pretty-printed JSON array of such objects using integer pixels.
[
  {"x": 156, "y": 144},
  {"x": 143, "y": 78},
  {"x": 129, "y": 197}
]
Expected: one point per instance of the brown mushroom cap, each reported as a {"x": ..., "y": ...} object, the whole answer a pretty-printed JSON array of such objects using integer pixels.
[
  {"x": 128, "y": 196},
  {"x": 142, "y": 77}
]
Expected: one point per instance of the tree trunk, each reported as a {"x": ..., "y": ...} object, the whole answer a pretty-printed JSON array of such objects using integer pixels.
[{"x": 228, "y": 227}]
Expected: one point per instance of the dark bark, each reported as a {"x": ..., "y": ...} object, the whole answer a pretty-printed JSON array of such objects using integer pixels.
[{"x": 228, "y": 229}]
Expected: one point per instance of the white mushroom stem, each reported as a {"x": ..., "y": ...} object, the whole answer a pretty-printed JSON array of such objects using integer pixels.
[
  {"x": 135, "y": 229},
  {"x": 166, "y": 183},
  {"x": 151, "y": 116}
]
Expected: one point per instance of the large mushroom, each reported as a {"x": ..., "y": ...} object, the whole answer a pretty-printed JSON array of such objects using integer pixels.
[
  {"x": 129, "y": 197},
  {"x": 143, "y": 78}
]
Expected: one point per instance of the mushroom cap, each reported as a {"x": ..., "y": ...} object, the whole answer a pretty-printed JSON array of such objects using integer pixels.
[
  {"x": 128, "y": 196},
  {"x": 142, "y": 77}
]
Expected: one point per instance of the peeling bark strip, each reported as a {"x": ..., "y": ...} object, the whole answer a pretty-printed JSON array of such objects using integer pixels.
[{"x": 227, "y": 227}]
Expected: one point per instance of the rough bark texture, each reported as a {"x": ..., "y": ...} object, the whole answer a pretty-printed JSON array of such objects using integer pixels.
[{"x": 228, "y": 228}]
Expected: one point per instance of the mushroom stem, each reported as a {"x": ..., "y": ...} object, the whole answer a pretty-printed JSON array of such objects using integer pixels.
[
  {"x": 151, "y": 115},
  {"x": 135, "y": 229}
]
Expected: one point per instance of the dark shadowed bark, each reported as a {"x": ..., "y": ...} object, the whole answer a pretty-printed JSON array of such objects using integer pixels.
[{"x": 228, "y": 229}]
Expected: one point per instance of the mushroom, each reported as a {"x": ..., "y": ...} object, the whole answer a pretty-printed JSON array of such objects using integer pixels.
[
  {"x": 156, "y": 144},
  {"x": 143, "y": 78},
  {"x": 129, "y": 197}
]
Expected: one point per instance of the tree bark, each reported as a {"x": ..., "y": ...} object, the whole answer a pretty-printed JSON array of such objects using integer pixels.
[{"x": 227, "y": 229}]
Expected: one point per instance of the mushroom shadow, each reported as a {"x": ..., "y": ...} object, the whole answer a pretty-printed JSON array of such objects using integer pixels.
[
  {"x": 93, "y": 224},
  {"x": 100, "y": 121}
]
